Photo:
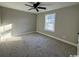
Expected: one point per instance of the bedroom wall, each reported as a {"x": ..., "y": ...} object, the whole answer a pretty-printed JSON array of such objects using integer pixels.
[
  {"x": 22, "y": 22},
  {"x": 66, "y": 26},
  {"x": 0, "y": 16}
]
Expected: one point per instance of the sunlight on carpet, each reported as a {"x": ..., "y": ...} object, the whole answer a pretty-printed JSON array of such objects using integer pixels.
[{"x": 6, "y": 35}]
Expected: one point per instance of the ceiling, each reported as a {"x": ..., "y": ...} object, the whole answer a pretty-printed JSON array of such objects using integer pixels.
[{"x": 48, "y": 5}]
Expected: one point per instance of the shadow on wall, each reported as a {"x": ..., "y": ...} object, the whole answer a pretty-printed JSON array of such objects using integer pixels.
[{"x": 6, "y": 34}]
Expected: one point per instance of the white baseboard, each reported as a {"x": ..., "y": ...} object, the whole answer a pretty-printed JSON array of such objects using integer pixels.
[
  {"x": 59, "y": 39},
  {"x": 24, "y": 33}
]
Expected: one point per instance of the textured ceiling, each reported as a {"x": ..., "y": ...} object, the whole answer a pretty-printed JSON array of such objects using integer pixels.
[{"x": 48, "y": 5}]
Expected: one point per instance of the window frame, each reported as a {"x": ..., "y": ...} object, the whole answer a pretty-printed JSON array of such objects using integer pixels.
[{"x": 53, "y": 30}]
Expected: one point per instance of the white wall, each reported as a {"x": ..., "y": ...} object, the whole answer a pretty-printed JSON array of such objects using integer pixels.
[
  {"x": 22, "y": 22},
  {"x": 0, "y": 16},
  {"x": 66, "y": 26}
]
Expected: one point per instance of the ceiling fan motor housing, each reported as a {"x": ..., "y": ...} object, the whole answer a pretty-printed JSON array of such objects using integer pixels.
[{"x": 36, "y": 5}]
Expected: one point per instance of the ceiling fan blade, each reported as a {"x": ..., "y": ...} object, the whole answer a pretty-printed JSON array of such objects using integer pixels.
[
  {"x": 30, "y": 8},
  {"x": 42, "y": 8},
  {"x": 28, "y": 5},
  {"x": 37, "y": 10},
  {"x": 45, "y": 4},
  {"x": 37, "y": 4}
]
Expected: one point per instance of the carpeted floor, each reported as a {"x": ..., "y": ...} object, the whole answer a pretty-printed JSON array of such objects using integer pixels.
[{"x": 35, "y": 45}]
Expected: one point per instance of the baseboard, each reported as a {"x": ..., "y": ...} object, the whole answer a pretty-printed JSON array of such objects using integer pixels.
[
  {"x": 59, "y": 39},
  {"x": 24, "y": 33}
]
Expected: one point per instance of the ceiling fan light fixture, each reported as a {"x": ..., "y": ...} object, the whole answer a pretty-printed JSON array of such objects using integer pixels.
[{"x": 36, "y": 6}]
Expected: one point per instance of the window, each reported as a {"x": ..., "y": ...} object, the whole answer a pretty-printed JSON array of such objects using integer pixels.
[{"x": 50, "y": 22}]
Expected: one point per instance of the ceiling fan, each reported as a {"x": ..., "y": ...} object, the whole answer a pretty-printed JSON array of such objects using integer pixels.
[{"x": 35, "y": 6}]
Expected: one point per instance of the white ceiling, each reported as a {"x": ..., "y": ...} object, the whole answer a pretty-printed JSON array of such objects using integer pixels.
[{"x": 48, "y": 5}]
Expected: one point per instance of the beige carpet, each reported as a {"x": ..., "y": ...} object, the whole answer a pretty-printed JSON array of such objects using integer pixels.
[{"x": 35, "y": 45}]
